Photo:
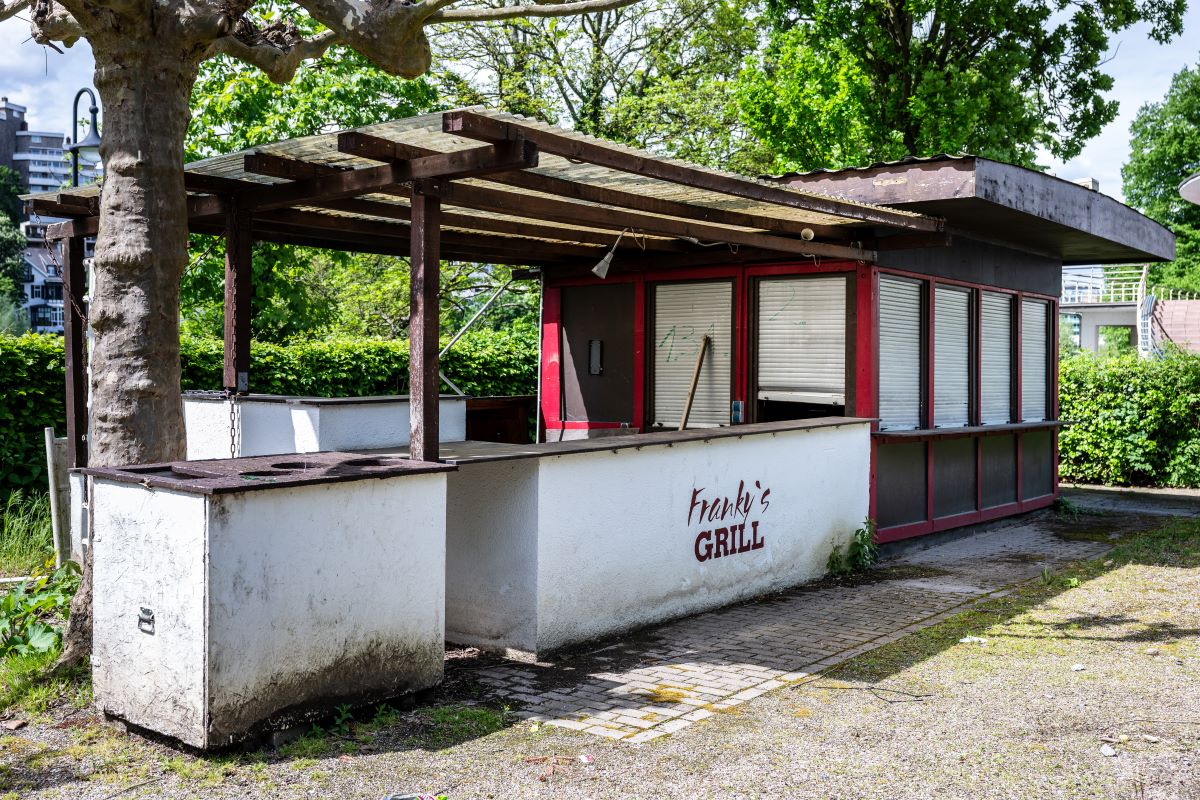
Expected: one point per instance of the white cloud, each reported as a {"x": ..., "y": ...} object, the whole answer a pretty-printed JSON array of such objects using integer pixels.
[
  {"x": 42, "y": 80},
  {"x": 1142, "y": 70}
]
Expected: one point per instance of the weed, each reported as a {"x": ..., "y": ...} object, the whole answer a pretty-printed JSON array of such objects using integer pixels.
[
  {"x": 26, "y": 681},
  {"x": 208, "y": 773},
  {"x": 859, "y": 554},
  {"x": 665, "y": 694},
  {"x": 1063, "y": 507},
  {"x": 385, "y": 716},
  {"x": 28, "y": 609},
  {"x": 453, "y": 724},
  {"x": 1047, "y": 576},
  {"x": 314, "y": 743},
  {"x": 26, "y": 536},
  {"x": 343, "y": 720}
]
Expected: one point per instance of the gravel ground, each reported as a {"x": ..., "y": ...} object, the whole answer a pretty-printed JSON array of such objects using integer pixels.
[{"x": 1102, "y": 656}]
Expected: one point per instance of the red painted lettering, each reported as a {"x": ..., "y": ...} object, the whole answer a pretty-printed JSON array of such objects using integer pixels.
[
  {"x": 755, "y": 541},
  {"x": 722, "y": 548},
  {"x": 704, "y": 553},
  {"x": 743, "y": 544},
  {"x": 692, "y": 507}
]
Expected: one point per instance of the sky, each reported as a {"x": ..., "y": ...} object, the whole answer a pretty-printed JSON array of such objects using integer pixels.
[{"x": 46, "y": 82}]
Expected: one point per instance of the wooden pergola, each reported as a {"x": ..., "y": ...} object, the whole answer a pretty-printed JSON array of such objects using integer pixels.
[{"x": 482, "y": 186}]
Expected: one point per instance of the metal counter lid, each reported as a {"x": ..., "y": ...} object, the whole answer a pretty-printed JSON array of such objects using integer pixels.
[{"x": 288, "y": 470}]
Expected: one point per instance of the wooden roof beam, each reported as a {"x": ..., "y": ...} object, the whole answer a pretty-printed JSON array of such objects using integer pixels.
[
  {"x": 489, "y": 129},
  {"x": 365, "y": 145},
  {"x": 556, "y": 210}
]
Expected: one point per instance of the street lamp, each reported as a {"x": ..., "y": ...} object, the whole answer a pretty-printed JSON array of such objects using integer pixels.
[{"x": 90, "y": 146}]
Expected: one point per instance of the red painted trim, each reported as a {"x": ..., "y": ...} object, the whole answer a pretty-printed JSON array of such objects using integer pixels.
[
  {"x": 583, "y": 425},
  {"x": 1054, "y": 330},
  {"x": 741, "y": 343},
  {"x": 800, "y": 268},
  {"x": 551, "y": 356},
  {"x": 898, "y": 532},
  {"x": 866, "y": 364},
  {"x": 909, "y": 530},
  {"x": 1018, "y": 374},
  {"x": 930, "y": 310},
  {"x": 639, "y": 353},
  {"x": 1041, "y": 501},
  {"x": 955, "y": 520}
]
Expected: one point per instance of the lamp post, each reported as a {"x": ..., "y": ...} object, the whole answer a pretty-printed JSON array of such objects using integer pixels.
[{"x": 91, "y": 143}]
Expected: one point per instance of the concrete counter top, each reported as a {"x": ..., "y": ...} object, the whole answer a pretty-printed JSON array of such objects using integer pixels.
[
  {"x": 475, "y": 452},
  {"x": 224, "y": 476},
  {"x": 220, "y": 397}
]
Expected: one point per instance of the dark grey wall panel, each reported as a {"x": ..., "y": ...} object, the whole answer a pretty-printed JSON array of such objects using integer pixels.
[
  {"x": 998, "y": 471},
  {"x": 980, "y": 262},
  {"x": 604, "y": 313},
  {"x": 899, "y": 484},
  {"x": 1037, "y": 464},
  {"x": 953, "y": 477}
]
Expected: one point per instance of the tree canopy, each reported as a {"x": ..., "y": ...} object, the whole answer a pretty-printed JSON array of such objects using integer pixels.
[
  {"x": 1165, "y": 150},
  {"x": 843, "y": 82}
]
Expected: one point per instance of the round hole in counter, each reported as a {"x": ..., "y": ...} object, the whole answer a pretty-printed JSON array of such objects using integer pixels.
[
  {"x": 265, "y": 473},
  {"x": 290, "y": 465},
  {"x": 369, "y": 462}
]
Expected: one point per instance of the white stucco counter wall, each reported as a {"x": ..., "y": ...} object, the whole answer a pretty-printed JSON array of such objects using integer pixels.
[
  {"x": 236, "y": 596},
  {"x": 276, "y": 424},
  {"x": 595, "y": 538}
]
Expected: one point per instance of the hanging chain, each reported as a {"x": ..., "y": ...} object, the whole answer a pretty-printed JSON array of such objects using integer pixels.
[
  {"x": 231, "y": 391},
  {"x": 52, "y": 255}
]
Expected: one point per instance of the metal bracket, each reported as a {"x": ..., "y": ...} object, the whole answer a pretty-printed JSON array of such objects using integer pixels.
[{"x": 146, "y": 620}]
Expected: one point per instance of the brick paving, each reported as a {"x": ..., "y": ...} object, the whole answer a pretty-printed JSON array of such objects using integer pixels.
[{"x": 685, "y": 671}]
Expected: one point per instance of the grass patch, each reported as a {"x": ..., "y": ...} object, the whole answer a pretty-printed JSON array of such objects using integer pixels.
[
  {"x": 26, "y": 683},
  {"x": 26, "y": 536},
  {"x": 449, "y": 725},
  {"x": 1006, "y": 622}
]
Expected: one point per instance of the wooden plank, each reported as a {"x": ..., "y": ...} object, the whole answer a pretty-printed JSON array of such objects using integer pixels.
[
  {"x": 83, "y": 226},
  {"x": 292, "y": 169},
  {"x": 423, "y": 381},
  {"x": 484, "y": 128},
  {"x": 379, "y": 149},
  {"x": 75, "y": 343},
  {"x": 312, "y": 221},
  {"x": 239, "y": 264},
  {"x": 583, "y": 214}
]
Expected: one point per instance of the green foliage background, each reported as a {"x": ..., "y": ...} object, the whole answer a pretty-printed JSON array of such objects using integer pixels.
[
  {"x": 1136, "y": 421},
  {"x": 483, "y": 362}
]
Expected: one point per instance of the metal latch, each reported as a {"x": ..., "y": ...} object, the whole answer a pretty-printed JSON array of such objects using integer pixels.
[{"x": 146, "y": 621}]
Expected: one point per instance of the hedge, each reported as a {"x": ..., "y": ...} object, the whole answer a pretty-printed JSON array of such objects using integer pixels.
[
  {"x": 1136, "y": 421},
  {"x": 31, "y": 399},
  {"x": 484, "y": 362}
]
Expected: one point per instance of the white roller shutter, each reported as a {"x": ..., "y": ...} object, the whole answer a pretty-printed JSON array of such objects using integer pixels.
[
  {"x": 995, "y": 353},
  {"x": 951, "y": 357},
  {"x": 683, "y": 314},
  {"x": 1034, "y": 355},
  {"x": 899, "y": 353},
  {"x": 802, "y": 340}
]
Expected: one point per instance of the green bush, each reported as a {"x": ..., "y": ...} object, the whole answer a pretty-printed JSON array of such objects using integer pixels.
[
  {"x": 32, "y": 398},
  {"x": 483, "y": 362},
  {"x": 1136, "y": 421},
  {"x": 32, "y": 613}
]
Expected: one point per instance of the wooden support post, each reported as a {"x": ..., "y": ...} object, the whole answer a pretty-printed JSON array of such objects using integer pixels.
[
  {"x": 75, "y": 341},
  {"x": 239, "y": 264},
  {"x": 423, "y": 330}
]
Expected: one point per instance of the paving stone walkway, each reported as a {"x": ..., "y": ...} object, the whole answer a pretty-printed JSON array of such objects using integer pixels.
[{"x": 661, "y": 681}]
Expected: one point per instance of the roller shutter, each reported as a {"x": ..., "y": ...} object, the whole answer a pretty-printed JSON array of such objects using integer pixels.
[
  {"x": 951, "y": 357},
  {"x": 683, "y": 314},
  {"x": 995, "y": 352},
  {"x": 802, "y": 340},
  {"x": 899, "y": 353},
  {"x": 1034, "y": 356}
]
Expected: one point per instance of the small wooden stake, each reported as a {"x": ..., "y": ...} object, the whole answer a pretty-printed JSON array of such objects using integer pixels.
[{"x": 687, "y": 406}]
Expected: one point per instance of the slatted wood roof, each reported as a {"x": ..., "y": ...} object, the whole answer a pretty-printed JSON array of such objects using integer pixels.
[{"x": 513, "y": 190}]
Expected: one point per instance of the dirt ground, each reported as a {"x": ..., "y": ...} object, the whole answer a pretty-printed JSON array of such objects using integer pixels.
[{"x": 1080, "y": 684}]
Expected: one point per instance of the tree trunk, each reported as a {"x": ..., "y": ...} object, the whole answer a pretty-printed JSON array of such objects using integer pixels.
[{"x": 141, "y": 251}]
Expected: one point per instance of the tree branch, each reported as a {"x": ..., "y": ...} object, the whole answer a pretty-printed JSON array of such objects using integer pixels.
[
  {"x": 278, "y": 62},
  {"x": 8, "y": 9},
  {"x": 485, "y": 14}
]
